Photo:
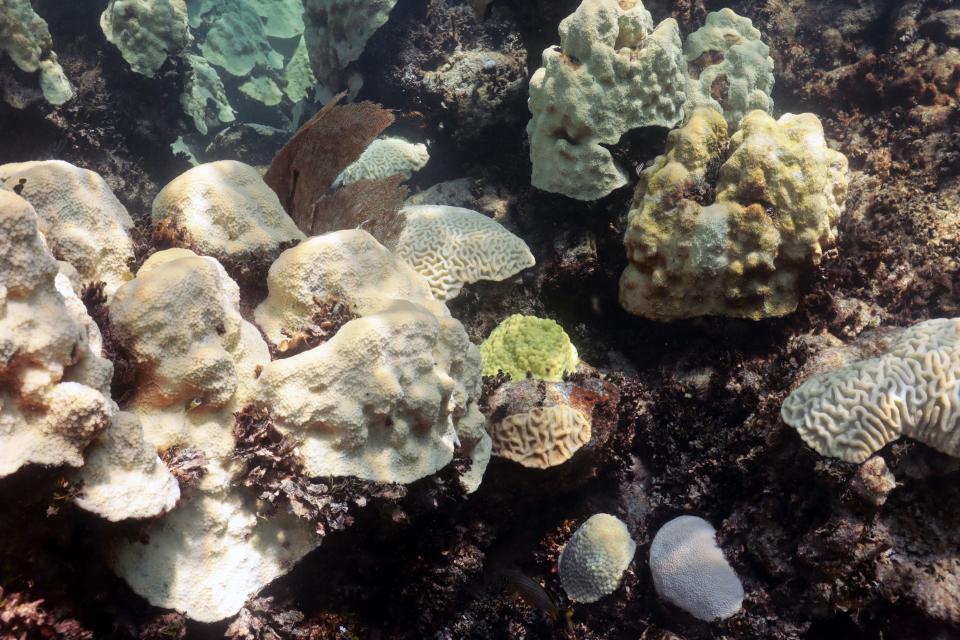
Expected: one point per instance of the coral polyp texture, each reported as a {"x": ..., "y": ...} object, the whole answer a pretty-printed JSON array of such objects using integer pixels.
[
  {"x": 54, "y": 400},
  {"x": 147, "y": 32},
  {"x": 912, "y": 389},
  {"x": 386, "y": 157},
  {"x": 690, "y": 571},
  {"x": 613, "y": 72},
  {"x": 85, "y": 224},
  {"x": 593, "y": 561},
  {"x": 452, "y": 246},
  {"x": 779, "y": 194},
  {"x": 526, "y": 345},
  {"x": 228, "y": 211},
  {"x": 730, "y": 68},
  {"x": 25, "y": 37}
]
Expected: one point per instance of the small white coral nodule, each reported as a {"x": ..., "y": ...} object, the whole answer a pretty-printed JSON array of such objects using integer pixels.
[
  {"x": 689, "y": 570},
  {"x": 913, "y": 389},
  {"x": 452, "y": 246},
  {"x": 592, "y": 562}
]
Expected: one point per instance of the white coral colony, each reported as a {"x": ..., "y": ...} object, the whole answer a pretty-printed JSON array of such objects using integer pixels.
[
  {"x": 913, "y": 389},
  {"x": 592, "y": 563}
]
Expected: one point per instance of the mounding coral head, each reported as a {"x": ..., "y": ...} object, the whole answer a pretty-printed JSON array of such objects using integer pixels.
[{"x": 527, "y": 345}]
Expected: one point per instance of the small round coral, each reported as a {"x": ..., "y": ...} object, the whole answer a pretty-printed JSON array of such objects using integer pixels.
[
  {"x": 526, "y": 345},
  {"x": 593, "y": 561}
]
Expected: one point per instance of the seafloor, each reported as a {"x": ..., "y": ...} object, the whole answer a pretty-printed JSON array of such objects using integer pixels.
[{"x": 698, "y": 427}]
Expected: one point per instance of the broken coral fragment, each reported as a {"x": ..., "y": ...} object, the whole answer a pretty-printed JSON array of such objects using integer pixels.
[
  {"x": 779, "y": 195},
  {"x": 526, "y": 345},
  {"x": 910, "y": 389},
  {"x": 386, "y": 157},
  {"x": 730, "y": 68},
  {"x": 593, "y": 561},
  {"x": 612, "y": 73},
  {"x": 451, "y": 247},
  {"x": 55, "y": 395},
  {"x": 146, "y": 32},
  {"x": 689, "y": 570},
  {"x": 123, "y": 477},
  {"x": 85, "y": 224},
  {"x": 228, "y": 211},
  {"x": 25, "y": 37}
]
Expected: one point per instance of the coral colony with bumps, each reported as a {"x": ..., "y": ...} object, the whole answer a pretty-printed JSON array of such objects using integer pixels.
[{"x": 479, "y": 319}]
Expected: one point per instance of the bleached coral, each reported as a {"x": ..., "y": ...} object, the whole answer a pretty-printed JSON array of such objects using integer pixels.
[
  {"x": 204, "y": 98},
  {"x": 55, "y": 395},
  {"x": 779, "y": 194},
  {"x": 730, "y": 68},
  {"x": 612, "y": 73},
  {"x": 912, "y": 389},
  {"x": 146, "y": 32},
  {"x": 85, "y": 223},
  {"x": 25, "y": 37},
  {"x": 593, "y": 561},
  {"x": 228, "y": 210},
  {"x": 451, "y": 247},
  {"x": 386, "y": 157},
  {"x": 689, "y": 570}
]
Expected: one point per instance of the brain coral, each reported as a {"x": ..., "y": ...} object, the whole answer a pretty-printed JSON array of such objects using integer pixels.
[
  {"x": 25, "y": 37},
  {"x": 386, "y": 157},
  {"x": 451, "y": 247},
  {"x": 779, "y": 193},
  {"x": 228, "y": 210},
  {"x": 54, "y": 399},
  {"x": 730, "y": 68},
  {"x": 522, "y": 345},
  {"x": 146, "y": 31},
  {"x": 912, "y": 389},
  {"x": 541, "y": 438},
  {"x": 612, "y": 73},
  {"x": 689, "y": 570},
  {"x": 592, "y": 563},
  {"x": 85, "y": 223}
]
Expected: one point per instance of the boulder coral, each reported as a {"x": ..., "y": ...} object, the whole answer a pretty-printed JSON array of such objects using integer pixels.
[
  {"x": 522, "y": 346},
  {"x": 25, "y": 37},
  {"x": 593, "y": 561},
  {"x": 728, "y": 226},
  {"x": 147, "y": 32}
]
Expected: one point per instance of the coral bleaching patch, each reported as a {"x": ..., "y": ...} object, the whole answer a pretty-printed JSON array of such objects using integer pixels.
[
  {"x": 386, "y": 157},
  {"x": 912, "y": 389},
  {"x": 197, "y": 361},
  {"x": 779, "y": 194},
  {"x": 690, "y": 572},
  {"x": 84, "y": 222},
  {"x": 730, "y": 68},
  {"x": 55, "y": 395},
  {"x": 146, "y": 32},
  {"x": 25, "y": 37},
  {"x": 451, "y": 247},
  {"x": 526, "y": 345},
  {"x": 612, "y": 73},
  {"x": 228, "y": 210},
  {"x": 593, "y": 561}
]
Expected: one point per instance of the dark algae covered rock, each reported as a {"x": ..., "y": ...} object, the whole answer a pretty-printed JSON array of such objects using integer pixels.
[{"x": 479, "y": 319}]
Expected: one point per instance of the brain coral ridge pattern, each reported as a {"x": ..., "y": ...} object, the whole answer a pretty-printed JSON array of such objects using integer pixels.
[
  {"x": 779, "y": 194},
  {"x": 541, "y": 438},
  {"x": 913, "y": 389}
]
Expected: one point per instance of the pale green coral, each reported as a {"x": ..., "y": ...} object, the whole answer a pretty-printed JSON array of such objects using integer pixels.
[
  {"x": 522, "y": 345},
  {"x": 25, "y": 37}
]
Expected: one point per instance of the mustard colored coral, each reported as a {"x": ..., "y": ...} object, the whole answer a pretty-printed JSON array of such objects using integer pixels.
[
  {"x": 522, "y": 345},
  {"x": 779, "y": 194}
]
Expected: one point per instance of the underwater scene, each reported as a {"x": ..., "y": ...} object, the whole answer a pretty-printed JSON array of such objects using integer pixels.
[{"x": 480, "y": 319}]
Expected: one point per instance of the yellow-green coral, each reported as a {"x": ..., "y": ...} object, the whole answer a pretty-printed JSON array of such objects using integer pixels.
[
  {"x": 522, "y": 345},
  {"x": 740, "y": 253}
]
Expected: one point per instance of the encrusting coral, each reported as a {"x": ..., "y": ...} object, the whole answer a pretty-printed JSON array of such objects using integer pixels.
[
  {"x": 526, "y": 345},
  {"x": 612, "y": 73},
  {"x": 25, "y": 37},
  {"x": 85, "y": 224},
  {"x": 55, "y": 399},
  {"x": 452, "y": 246},
  {"x": 911, "y": 389},
  {"x": 593, "y": 561},
  {"x": 779, "y": 191},
  {"x": 689, "y": 570}
]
